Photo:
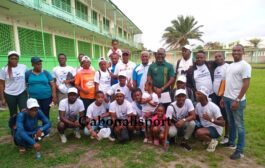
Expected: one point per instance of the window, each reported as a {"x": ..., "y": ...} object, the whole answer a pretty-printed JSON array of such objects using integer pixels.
[
  {"x": 94, "y": 17},
  {"x": 63, "y": 4},
  {"x": 81, "y": 10},
  {"x": 120, "y": 32},
  {"x": 125, "y": 34},
  {"x": 105, "y": 24}
]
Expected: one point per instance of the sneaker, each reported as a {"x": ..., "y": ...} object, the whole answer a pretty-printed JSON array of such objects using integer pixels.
[
  {"x": 227, "y": 145},
  {"x": 186, "y": 146},
  {"x": 145, "y": 140},
  {"x": 212, "y": 145},
  {"x": 63, "y": 138},
  {"x": 111, "y": 139},
  {"x": 224, "y": 140},
  {"x": 156, "y": 142},
  {"x": 77, "y": 134},
  {"x": 47, "y": 135},
  {"x": 237, "y": 155}
]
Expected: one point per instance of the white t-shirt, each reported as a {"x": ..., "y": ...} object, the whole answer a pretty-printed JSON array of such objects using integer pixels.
[
  {"x": 140, "y": 74},
  {"x": 181, "y": 112},
  {"x": 219, "y": 74},
  {"x": 118, "y": 51},
  {"x": 137, "y": 109},
  {"x": 125, "y": 67},
  {"x": 94, "y": 111},
  {"x": 125, "y": 90},
  {"x": 235, "y": 73},
  {"x": 202, "y": 77},
  {"x": 184, "y": 65},
  {"x": 16, "y": 84},
  {"x": 60, "y": 74},
  {"x": 103, "y": 79},
  {"x": 213, "y": 111},
  {"x": 71, "y": 110},
  {"x": 147, "y": 107},
  {"x": 122, "y": 111}
]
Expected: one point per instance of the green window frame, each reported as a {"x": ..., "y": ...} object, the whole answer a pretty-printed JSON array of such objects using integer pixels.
[
  {"x": 106, "y": 24},
  {"x": 120, "y": 31},
  {"x": 7, "y": 42},
  {"x": 94, "y": 17},
  {"x": 81, "y": 10},
  {"x": 63, "y": 4}
]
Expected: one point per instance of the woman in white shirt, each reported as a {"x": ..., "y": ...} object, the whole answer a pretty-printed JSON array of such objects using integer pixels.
[{"x": 12, "y": 83}]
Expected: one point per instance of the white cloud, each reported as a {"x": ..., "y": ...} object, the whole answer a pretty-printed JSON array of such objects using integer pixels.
[{"x": 223, "y": 20}]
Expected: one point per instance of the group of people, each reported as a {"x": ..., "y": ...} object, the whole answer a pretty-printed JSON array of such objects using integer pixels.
[{"x": 121, "y": 100}]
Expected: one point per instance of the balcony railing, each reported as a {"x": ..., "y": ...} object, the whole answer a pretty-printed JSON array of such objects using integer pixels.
[{"x": 67, "y": 13}]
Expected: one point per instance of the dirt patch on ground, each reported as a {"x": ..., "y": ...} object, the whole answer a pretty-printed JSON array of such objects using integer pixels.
[{"x": 6, "y": 139}]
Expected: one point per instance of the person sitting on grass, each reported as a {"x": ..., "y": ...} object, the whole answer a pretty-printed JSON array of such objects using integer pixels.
[
  {"x": 210, "y": 118},
  {"x": 97, "y": 116},
  {"x": 28, "y": 133},
  {"x": 182, "y": 115},
  {"x": 149, "y": 102},
  {"x": 70, "y": 109},
  {"x": 137, "y": 107},
  {"x": 160, "y": 126},
  {"x": 121, "y": 114}
]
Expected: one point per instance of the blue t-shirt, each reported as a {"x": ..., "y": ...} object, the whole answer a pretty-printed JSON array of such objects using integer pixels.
[
  {"x": 140, "y": 75},
  {"x": 113, "y": 81},
  {"x": 39, "y": 85}
]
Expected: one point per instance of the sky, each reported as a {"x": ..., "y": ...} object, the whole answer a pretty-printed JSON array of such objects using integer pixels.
[{"x": 223, "y": 20}]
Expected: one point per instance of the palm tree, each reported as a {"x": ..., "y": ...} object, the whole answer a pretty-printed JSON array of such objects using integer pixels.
[
  {"x": 182, "y": 29},
  {"x": 255, "y": 42},
  {"x": 213, "y": 45}
]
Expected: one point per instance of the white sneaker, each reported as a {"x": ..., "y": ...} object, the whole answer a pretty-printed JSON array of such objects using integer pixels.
[
  {"x": 111, "y": 139},
  {"x": 224, "y": 140},
  {"x": 63, "y": 138},
  {"x": 77, "y": 134},
  {"x": 212, "y": 145}
]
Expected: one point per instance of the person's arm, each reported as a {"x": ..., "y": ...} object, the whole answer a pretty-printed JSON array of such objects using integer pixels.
[
  {"x": 166, "y": 133},
  {"x": 46, "y": 123},
  {"x": 2, "y": 86},
  {"x": 106, "y": 114},
  {"x": 21, "y": 131},
  {"x": 217, "y": 121},
  {"x": 64, "y": 119},
  {"x": 54, "y": 96}
]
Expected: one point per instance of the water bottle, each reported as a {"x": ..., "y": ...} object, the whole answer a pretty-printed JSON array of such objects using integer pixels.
[{"x": 38, "y": 155}]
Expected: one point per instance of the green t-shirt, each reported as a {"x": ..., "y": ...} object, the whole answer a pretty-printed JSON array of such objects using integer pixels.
[{"x": 161, "y": 73}]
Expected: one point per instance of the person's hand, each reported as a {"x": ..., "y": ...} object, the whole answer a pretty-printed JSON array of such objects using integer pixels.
[
  {"x": 94, "y": 134},
  {"x": 158, "y": 91},
  {"x": 54, "y": 99},
  {"x": 66, "y": 81},
  {"x": 85, "y": 91},
  {"x": 111, "y": 74},
  {"x": 206, "y": 117},
  {"x": 76, "y": 123},
  {"x": 180, "y": 123},
  {"x": 222, "y": 104},
  {"x": 38, "y": 133},
  {"x": 235, "y": 105},
  {"x": 37, "y": 146},
  {"x": 129, "y": 84}
]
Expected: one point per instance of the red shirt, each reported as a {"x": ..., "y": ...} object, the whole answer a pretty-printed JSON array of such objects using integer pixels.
[{"x": 159, "y": 121}]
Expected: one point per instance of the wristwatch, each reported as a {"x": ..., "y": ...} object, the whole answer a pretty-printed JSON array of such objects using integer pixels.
[
  {"x": 212, "y": 120},
  {"x": 237, "y": 99},
  {"x": 184, "y": 119}
]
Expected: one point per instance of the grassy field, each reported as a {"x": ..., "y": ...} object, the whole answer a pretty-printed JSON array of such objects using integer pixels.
[{"x": 91, "y": 153}]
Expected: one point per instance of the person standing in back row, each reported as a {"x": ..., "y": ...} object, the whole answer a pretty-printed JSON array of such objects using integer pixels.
[
  {"x": 237, "y": 79},
  {"x": 12, "y": 84}
]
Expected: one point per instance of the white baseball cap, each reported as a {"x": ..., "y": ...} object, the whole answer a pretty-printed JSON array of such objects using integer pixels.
[
  {"x": 72, "y": 90},
  {"x": 122, "y": 73},
  {"x": 117, "y": 91},
  {"x": 180, "y": 91},
  {"x": 13, "y": 53},
  {"x": 188, "y": 47},
  {"x": 101, "y": 59},
  {"x": 182, "y": 78},
  {"x": 31, "y": 102},
  {"x": 204, "y": 91},
  {"x": 85, "y": 58}
]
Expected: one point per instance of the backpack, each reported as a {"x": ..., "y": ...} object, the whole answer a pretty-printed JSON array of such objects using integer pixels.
[{"x": 29, "y": 72}]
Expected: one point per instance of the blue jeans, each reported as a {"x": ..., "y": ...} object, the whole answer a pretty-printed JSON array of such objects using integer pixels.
[{"x": 236, "y": 123}]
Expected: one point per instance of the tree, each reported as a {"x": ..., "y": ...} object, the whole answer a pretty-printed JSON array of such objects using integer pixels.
[
  {"x": 255, "y": 42},
  {"x": 213, "y": 45},
  {"x": 182, "y": 30}
]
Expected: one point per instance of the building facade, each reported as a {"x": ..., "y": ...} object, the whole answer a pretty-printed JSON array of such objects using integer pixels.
[{"x": 46, "y": 28}]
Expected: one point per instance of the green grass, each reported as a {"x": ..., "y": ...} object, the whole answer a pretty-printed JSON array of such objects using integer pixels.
[{"x": 87, "y": 152}]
